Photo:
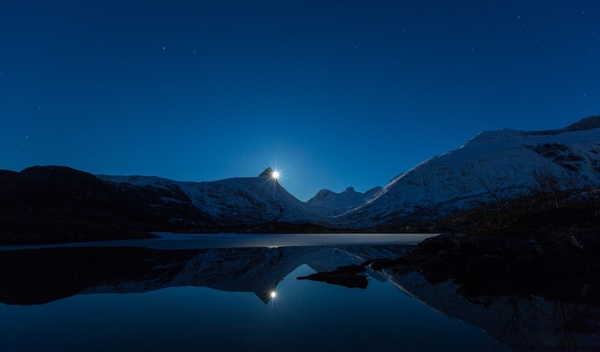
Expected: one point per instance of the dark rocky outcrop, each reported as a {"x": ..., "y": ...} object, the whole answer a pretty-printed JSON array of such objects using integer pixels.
[
  {"x": 53, "y": 204},
  {"x": 344, "y": 276},
  {"x": 561, "y": 267},
  {"x": 588, "y": 123}
]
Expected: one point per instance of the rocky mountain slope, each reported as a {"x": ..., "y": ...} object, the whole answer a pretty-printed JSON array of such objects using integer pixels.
[
  {"x": 240, "y": 200},
  {"x": 491, "y": 166},
  {"x": 58, "y": 204}
]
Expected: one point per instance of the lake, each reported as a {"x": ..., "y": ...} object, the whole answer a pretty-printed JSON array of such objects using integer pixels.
[{"x": 242, "y": 293}]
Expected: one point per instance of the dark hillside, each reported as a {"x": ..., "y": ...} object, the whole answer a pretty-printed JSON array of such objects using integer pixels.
[{"x": 54, "y": 204}]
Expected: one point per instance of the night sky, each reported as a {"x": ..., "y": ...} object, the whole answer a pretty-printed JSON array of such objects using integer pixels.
[{"x": 332, "y": 93}]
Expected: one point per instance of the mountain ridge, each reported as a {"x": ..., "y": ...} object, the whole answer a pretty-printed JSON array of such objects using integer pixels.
[
  {"x": 343, "y": 201},
  {"x": 499, "y": 162},
  {"x": 54, "y": 203},
  {"x": 239, "y": 200}
]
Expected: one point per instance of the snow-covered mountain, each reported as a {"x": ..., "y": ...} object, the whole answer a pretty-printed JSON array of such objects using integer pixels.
[
  {"x": 75, "y": 206},
  {"x": 341, "y": 202},
  {"x": 493, "y": 163},
  {"x": 246, "y": 200}
]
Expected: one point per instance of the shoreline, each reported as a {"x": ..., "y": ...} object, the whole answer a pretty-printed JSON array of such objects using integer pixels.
[
  {"x": 170, "y": 240},
  {"x": 560, "y": 267}
]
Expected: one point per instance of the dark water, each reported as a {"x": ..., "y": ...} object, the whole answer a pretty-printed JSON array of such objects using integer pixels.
[{"x": 219, "y": 299}]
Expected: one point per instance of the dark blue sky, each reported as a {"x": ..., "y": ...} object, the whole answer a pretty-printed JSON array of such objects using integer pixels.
[{"x": 333, "y": 93}]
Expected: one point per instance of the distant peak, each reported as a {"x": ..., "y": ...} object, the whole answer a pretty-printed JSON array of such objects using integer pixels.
[
  {"x": 588, "y": 123},
  {"x": 267, "y": 173},
  {"x": 350, "y": 189},
  {"x": 374, "y": 189},
  {"x": 324, "y": 191}
]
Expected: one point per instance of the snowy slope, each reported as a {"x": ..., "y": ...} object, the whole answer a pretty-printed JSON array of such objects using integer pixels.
[
  {"x": 496, "y": 163},
  {"x": 234, "y": 200},
  {"x": 499, "y": 160},
  {"x": 341, "y": 202}
]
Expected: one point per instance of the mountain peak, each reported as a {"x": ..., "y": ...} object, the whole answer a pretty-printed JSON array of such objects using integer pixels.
[
  {"x": 341, "y": 202},
  {"x": 268, "y": 173},
  {"x": 588, "y": 123},
  {"x": 461, "y": 178}
]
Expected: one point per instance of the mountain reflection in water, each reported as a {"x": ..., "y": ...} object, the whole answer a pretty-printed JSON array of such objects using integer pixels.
[
  {"x": 523, "y": 322},
  {"x": 39, "y": 276}
]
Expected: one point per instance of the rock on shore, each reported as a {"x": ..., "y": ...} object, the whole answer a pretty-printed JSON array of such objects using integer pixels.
[{"x": 565, "y": 267}]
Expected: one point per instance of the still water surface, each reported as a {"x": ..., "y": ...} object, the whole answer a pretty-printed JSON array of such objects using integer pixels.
[
  {"x": 305, "y": 316},
  {"x": 219, "y": 299}
]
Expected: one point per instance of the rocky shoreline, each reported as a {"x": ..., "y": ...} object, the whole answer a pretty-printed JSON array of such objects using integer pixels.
[{"x": 561, "y": 267}]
